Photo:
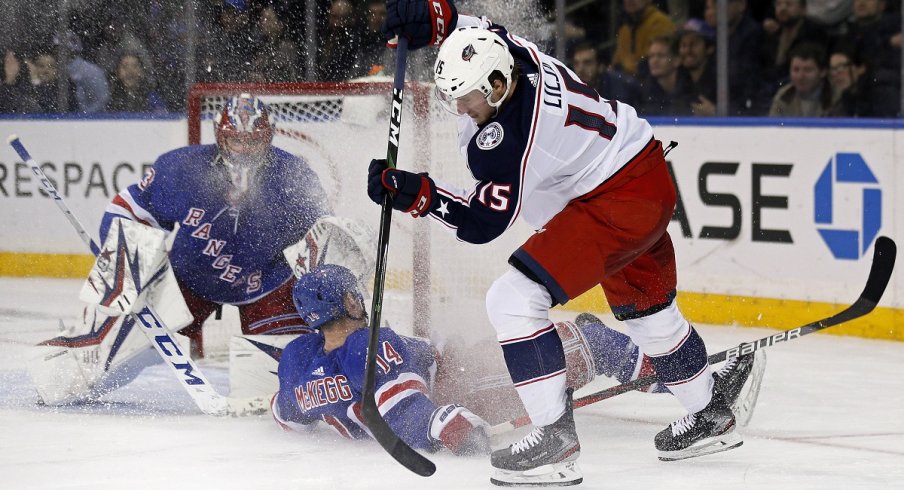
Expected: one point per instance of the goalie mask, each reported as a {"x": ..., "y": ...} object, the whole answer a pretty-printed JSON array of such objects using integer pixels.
[
  {"x": 464, "y": 64},
  {"x": 244, "y": 134},
  {"x": 319, "y": 295}
]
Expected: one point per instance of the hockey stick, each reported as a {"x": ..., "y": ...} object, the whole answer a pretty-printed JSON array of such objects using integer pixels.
[
  {"x": 379, "y": 429},
  {"x": 159, "y": 335},
  {"x": 884, "y": 251}
]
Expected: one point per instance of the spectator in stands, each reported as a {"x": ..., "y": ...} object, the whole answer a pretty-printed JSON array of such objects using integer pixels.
[
  {"x": 230, "y": 49},
  {"x": 16, "y": 93},
  {"x": 697, "y": 73},
  {"x": 89, "y": 81},
  {"x": 118, "y": 36},
  {"x": 869, "y": 32},
  {"x": 809, "y": 94},
  {"x": 661, "y": 93},
  {"x": 787, "y": 29},
  {"x": 339, "y": 50},
  {"x": 874, "y": 37},
  {"x": 277, "y": 57},
  {"x": 594, "y": 71},
  {"x": 745, "y": 41},
  {"x": 166, "y": 43},
  {"x": 373, "y": 56},
  {"x": 829, "y": 14},
  {"x": 46, "y": 80},
  {"x": 132, "y": 90},
  {"x": 642, "y": 22}
]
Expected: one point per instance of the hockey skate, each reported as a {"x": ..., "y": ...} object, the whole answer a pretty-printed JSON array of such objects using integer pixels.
[
  {"x": 739, "y": 381},
  {"x": 547, "y": 456},
  {"x": 708, "y": 431}
]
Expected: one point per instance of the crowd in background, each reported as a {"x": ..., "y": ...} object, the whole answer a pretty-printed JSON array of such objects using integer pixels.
[{"x": 812, "y": 58}]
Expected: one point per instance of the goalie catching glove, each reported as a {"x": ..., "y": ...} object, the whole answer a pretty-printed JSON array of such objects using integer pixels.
[
  {"x": 422, "y": 22},
  {"x": 410, "y": 192}
]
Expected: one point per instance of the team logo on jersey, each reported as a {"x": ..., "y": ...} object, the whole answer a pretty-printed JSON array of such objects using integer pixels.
[
  {"x": 533, "y": 78},
  {"x": 490, "y": 136},
  {"x": 468, "y": 52}
]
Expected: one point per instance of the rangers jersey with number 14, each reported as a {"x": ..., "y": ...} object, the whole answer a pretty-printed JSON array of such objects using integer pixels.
[{"x": 319, "y": 386}]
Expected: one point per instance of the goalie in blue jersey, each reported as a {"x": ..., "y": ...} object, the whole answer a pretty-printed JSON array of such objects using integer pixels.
[
  {"x": 234, "y": 208},
  {"x": 321, "y": 375}
]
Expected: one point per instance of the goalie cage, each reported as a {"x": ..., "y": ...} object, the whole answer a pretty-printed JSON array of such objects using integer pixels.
[{"x": 435, "y": 284}]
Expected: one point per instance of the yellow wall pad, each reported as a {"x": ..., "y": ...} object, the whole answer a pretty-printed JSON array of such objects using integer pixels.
[
  {"x": 45, "y": 265},
  {"x": 746, "y": 311},
  {"x": 781, "y": 314}
]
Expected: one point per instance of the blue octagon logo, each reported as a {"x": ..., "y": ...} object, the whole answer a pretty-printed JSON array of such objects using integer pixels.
[{"x": 848, "y": 169}]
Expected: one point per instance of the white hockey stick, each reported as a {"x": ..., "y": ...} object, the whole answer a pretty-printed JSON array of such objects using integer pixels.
[{"x": 158, "y": 334}]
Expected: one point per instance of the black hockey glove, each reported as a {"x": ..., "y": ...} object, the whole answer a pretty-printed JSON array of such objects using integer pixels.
[
  {"x": 412, "y": 193},
  {"x": 423, "y": 22}
]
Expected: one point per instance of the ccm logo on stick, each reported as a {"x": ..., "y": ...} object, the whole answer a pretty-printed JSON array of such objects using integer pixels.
[{"x": 440, "y": 23}]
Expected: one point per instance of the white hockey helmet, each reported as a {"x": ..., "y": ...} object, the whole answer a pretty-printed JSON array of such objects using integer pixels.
[{"x": 465, "y": 61}]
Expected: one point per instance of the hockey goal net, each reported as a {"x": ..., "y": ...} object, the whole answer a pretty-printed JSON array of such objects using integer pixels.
[{"x": 435, "y": 284}]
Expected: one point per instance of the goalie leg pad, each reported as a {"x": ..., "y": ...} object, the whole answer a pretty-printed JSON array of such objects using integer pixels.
[
  {"x": 88, "y": 360},
  {"x": 101, "y": 353},
  {"x": 253, "y": 364}
]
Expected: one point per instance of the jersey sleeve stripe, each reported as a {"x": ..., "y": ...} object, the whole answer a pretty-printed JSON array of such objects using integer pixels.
[
  {"x": 284, "y": 424},
  {"x": 393, "y": 392},
  {"x": 337, "y": 426},
  {"x": 354, "y": 414}
]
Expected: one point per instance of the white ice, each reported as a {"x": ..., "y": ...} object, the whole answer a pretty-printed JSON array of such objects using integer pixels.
[{"x": 830, "y": 415}]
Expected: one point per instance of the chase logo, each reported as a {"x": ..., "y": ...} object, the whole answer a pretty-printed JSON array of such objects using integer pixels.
[{"x": 847, "y": 169}]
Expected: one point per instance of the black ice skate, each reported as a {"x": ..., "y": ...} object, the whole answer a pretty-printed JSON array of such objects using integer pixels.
[
  {"x": 708, "y": 431},
  {"x": 739, "y": 381},
  {"x": 544, "y": 457}
]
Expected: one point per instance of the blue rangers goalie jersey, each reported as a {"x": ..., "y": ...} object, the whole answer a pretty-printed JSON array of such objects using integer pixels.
[
  {"x": 225, "y": 252},
  {"x": 319, "y": 386}
]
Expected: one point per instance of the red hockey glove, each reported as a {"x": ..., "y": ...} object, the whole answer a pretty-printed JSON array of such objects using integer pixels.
[
  {"x": 412, "y": 193},
  {"x": 459, "y": 430},
  {"x": 423, "y": 22}
]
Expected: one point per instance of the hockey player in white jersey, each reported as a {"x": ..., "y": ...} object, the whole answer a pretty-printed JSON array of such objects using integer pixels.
[{"x": 588, "y": 174}]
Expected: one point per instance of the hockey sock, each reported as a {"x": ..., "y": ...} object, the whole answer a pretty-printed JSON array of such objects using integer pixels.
[
  {"x": 685, "y": 371},
  {"x": 536, "y": 364}
]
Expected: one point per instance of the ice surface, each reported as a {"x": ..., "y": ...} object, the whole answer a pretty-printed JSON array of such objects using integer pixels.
[{"x": 830, "y": 415}]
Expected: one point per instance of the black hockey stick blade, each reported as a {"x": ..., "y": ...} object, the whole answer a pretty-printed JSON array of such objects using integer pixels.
[
  {"x": 379, "y": 429},
  {"x": 884, "y": 253}
]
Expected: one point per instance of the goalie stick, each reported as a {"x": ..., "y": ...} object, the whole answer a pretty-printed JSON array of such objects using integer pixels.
[
  {"x": 379, "y": 429},
  {"x": 884, "y": 252},
  {"x": 158, "y": 334}
]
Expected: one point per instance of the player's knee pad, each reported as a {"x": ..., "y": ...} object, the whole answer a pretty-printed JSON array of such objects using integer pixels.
[
  {"x": 517, "y": 306},
  {"x": 660, "y": 332}
]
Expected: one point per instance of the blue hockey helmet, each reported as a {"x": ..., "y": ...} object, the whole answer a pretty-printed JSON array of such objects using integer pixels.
[{"x": 318, "y": 295}]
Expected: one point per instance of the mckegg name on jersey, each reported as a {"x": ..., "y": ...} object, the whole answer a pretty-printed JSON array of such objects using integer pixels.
[{"x": 319, "y": 392}]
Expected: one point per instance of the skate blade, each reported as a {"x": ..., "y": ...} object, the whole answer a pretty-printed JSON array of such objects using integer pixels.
[
  {"x": 712, "y": 445},
  {"x": 746, "y": 402},
  {"x": 561, "y": 474}
]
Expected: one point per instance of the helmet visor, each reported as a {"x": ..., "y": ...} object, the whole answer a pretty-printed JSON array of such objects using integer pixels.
[{"x": 465, "y": 104}]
